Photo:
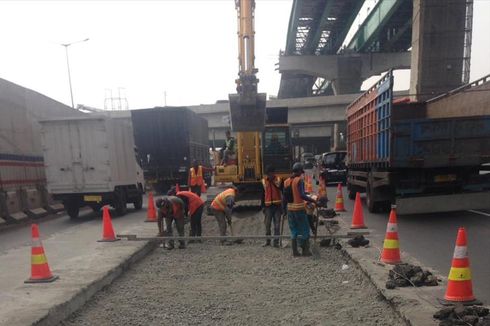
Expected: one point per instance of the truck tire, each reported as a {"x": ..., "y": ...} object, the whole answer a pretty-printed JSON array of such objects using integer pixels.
[
  {"x": 138, "y": 203},
  {"x": 119, "y": 203},
  {"x": 351, "y": 194},
  {"x": 72, "y": 209}
]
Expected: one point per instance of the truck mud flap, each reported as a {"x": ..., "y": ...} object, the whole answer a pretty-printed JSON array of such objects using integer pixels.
[{"x": 443, "y": 203}]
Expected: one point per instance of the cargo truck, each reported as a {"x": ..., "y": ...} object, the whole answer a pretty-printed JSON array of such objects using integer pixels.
[
  {"x": 91, "y": 161},
  {"x": 168, "y": 140},
  {"x": 414, "y": 155}
]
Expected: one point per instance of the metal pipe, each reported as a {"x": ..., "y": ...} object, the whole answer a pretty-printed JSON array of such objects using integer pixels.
[{"x": 134, "y": 237}]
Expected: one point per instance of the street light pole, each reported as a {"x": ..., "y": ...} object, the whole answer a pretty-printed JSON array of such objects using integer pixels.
[{"x": 66, "y": 45}]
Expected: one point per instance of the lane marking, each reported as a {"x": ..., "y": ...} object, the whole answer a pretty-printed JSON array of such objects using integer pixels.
[{"x": 478, "y": 212}]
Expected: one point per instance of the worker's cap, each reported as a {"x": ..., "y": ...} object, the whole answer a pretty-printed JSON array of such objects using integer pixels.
[
  {"x": 298, "y": 168},
  {"x": 172, "y": 191}
]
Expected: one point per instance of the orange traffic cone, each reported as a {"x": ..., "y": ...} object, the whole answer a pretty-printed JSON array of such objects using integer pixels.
[
  {"x": 391, "y": 246},
  {"x": 459, "y": 285},
  {"x": 40, "y": 272},
  {"x": 339, "y": 200},
  {"x": 358, "y": 216},
  {"x": 151, "y": 215},
  {"x": 177, "y": 187},
  {"x": 107, "y": 229},
  {"x": 203, "y": 188}
]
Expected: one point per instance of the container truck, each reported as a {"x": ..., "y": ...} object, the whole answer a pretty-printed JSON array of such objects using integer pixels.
[
  {"x": 398, "y": 153},
  {"x": 168, "y": 140},
  {"x": 91, "y": 161}
]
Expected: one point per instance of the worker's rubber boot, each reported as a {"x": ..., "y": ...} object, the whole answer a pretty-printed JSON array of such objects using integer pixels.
[
  {"x": 275, "y": 244},
  {"x": 169, "y": 245},
  {"x": 181, "y": 244},
  {"x": 267, "y": 243},
  {"x": 306, "y": 248},
  {"x": 294, "y": 245}
]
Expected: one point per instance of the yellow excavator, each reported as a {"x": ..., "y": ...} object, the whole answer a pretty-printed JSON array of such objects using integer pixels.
[{"x": 262, "y": 136}]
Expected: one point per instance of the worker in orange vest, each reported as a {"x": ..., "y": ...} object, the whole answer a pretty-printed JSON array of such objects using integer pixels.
[
  {"x": 272, "y": 200},
  {"x": 222, "y": 207},
  {"x": 294, "y": 198},
  {"x": 196, "y": 178},
  {"x": 170, "y": 209},
  {"x": 194, "y": 207}
]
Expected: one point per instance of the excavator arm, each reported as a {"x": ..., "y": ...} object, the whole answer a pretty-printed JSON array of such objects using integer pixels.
[{"x": 247, "y": 107}]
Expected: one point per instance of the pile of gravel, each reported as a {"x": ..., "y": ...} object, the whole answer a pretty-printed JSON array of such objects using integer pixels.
[
  {"x": 209, "y": 284},
  {"x": 461, "y": 315},
  {"x": 403, "y": 275}
]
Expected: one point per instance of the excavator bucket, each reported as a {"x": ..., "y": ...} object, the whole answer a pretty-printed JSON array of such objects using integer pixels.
[{"x": 247, "y": 116}]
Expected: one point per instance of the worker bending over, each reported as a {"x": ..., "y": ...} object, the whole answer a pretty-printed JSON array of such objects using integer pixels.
[
  {"x": 194, "y": 207},
  {"x": 272, "y": 201},
  {"x": 170, "y": 208},
  {"x": 222, "y": 207},
  {"x": 294, "y": 198},
  {"x": 196, "y": 178}
]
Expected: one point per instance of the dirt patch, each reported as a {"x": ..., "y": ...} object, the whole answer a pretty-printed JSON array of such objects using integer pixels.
[{"x": 209, "y": 284}]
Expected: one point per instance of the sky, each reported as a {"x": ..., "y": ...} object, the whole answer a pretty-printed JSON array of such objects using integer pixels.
[{"x": 174, "y": 52}]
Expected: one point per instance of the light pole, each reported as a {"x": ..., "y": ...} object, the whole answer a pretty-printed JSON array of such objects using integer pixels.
[{"x": 66, "y": 45}]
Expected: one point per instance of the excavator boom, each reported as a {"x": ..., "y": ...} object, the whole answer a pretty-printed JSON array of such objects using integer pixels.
[{"x": 247, "y": 107}]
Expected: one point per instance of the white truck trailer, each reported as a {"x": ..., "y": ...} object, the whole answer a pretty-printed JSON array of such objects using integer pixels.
[{"x": 91, "y": 161}]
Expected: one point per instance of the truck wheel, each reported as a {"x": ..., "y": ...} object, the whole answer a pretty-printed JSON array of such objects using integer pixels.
[
  {"x": 138, "y": 203},
  {"x": 72, "y": 209},
  {"x": 351, "y": 194},
  {"x": 120, "y": 203}
]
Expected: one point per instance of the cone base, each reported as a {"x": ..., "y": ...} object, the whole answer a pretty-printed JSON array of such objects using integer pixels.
[
  {"x": 151, "y": 220},
  {"x": 358, "y": 227},
  {"x": 391, "y": 262},
  {"x": 108, "y": 240},
  {"x": 42, "y": 280},
  {"x": 446, "y": 302}
]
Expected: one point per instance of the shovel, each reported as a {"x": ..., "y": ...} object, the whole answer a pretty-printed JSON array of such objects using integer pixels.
[
  {"x": 283, "y": 217},
  {"x": 314, "y": 248},
  {"x": 238, "y": 241}
]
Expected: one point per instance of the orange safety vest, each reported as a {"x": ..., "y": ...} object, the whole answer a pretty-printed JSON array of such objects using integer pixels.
[
  {"x": 219, "y": 203},
  {"x": 272, "y": 191},
  {"x": 194, "y": 201},
  {"x": 197, "y": 180},
  {"x": 298, "y": 203}
]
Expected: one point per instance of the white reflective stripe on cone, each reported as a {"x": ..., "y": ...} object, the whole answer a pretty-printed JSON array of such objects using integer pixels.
[
  {"x": 460, "y": 252},
  {"x": 392, "y": 227}
]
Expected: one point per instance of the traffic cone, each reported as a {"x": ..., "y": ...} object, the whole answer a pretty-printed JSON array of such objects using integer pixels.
[
  {"x": 40, "y": 272},
  {"x": 358, "y": 216},
  {"x": 151, "y": 215},
  {"x": 203, "y": 188},
  {"x": 177, "y": 187},
  {"x": 107, "y": 229},
  {"x": 339, "y": 200},
  {"x": 391, "y": 246},
  {"x": 459, "y": 285}
]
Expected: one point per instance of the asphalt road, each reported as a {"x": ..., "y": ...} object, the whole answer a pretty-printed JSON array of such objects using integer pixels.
[{"x": 430, "y": 238}]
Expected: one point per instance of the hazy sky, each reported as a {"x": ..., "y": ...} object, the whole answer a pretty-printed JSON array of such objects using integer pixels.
[{"x": 186, "y": 48}]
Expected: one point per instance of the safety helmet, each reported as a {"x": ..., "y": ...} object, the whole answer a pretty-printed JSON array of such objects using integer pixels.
[{"x": 298, "y": 167}]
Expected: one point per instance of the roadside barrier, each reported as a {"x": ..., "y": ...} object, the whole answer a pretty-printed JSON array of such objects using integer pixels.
[
  {"x": 391, "y": 245},
  {"x": 358, "y": 215},
  {"x": 151, "y": 215},
  {"x": 339, "y": 200},
  {"x": 108, "y": 234},
  {"x": 40, "y": 272}
]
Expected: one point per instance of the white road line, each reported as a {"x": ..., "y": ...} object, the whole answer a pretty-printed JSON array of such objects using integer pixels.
[{"x": 480, "y": 213}]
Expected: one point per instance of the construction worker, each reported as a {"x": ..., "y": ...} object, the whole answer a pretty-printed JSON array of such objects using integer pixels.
[
  {"x": 272, "y": 204},
  {"x": 294, "y": 198},
  {"x": 222, "y": 207},
  {"x": 194, "y": 207},
  {"x": 196, "y": 179},
  {"x": 170, "y": 209},
  {"x": 229, "y": 148}
]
